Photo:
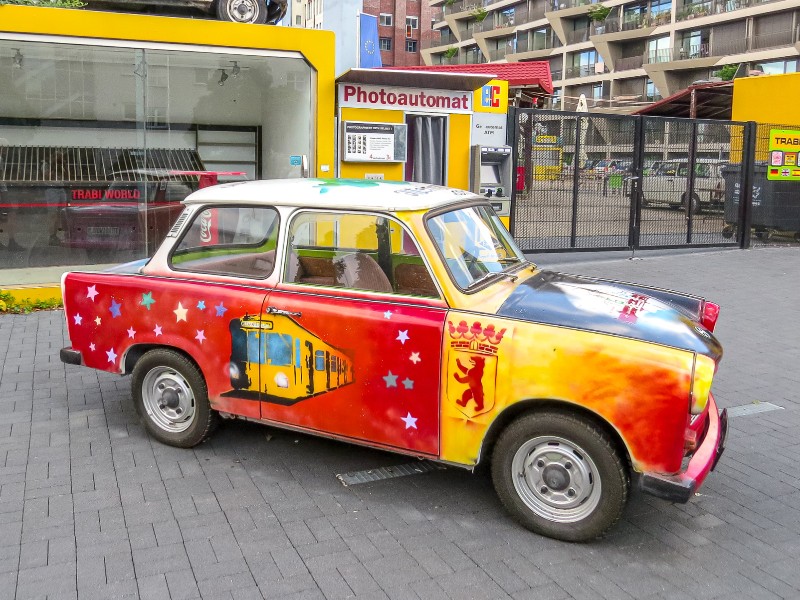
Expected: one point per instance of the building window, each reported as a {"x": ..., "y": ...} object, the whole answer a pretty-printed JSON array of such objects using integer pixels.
[
  {"x": 411, "y": 45},
  {"x": 298, "y": 20},
  {"x": 412, "y": 22},
  {"x": 385, "y": 43},
  {"x": 778, "y": 67},
  {"x": 386, "y": 19}
]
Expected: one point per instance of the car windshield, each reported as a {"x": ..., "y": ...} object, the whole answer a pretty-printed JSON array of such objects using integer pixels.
[{"x": 474, "y": 244}]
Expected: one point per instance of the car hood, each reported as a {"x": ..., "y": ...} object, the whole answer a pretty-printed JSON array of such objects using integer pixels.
[{"x": 628, "y": 310}]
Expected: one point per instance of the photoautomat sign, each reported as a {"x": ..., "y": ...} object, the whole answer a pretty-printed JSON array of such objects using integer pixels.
[
  {"x": 374, "y": 142},
  {"x": 784, "y": 146},
  {"x": 408, "y": 99}
]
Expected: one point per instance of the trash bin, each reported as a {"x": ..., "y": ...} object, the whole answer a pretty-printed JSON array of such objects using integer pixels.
[{"x": 776, "y": 204}]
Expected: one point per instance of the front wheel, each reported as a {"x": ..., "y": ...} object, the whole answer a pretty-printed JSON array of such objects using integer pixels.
[
  {"x": 171, "y": 397},
  {"x": 242, "y": 11},
  {"x": 560, "y": 476}
]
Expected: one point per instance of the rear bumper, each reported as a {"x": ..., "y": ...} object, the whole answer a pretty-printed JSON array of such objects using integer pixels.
[
  {"x": 681, "y": 487},
  {"x": 70, "y": 356}
]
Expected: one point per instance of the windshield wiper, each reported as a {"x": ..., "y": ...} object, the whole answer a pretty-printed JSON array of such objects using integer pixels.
[{"x": 489, "y": 275}]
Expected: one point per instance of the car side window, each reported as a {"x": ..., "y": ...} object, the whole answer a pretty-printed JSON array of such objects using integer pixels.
[
  {"x": 355, "y": 251},
  {"x": 229, "y": 240}
]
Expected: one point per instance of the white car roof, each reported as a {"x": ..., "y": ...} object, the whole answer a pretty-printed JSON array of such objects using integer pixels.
[{"x": 361, "y": 194}]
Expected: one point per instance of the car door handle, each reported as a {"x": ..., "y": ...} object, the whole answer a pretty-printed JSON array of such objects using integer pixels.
[{"x": 271, "y": 310}]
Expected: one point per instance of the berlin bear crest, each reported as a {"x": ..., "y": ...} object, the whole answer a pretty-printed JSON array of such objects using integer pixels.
[
  {"x": 472, "y": 360},
  {"x": 472, "y": 376}
]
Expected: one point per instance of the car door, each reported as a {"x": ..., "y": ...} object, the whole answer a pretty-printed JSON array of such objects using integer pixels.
[{"x": 354, "y": 339}]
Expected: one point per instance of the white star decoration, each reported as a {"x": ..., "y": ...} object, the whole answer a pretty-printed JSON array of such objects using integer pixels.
[
  {"x": 98, "y": 320},
  {"x": 92, "y": 346},
  {"x": 402, "y": 336},
  {"x": 78, "y": 319},
  {"x": 387, "y": 314},
  {"x": 157, "y": 330},
  {"x": 391, "y": 380},
  {"x": 414, "y": 357},
  {"x": 200, "y": 335},
  {"x": 411, "y": 422},
  {"x": 112, "y": 356},
  {"x": 131, "y": 333},
  {"x": 91, "y": 292},
  {"x": 180, "y": 313}
]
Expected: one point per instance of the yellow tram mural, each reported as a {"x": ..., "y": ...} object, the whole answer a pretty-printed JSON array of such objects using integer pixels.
[{"x": 283, "y": 362}]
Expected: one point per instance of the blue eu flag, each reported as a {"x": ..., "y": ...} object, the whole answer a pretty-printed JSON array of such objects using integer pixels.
[{"x": 369, "y": 49}]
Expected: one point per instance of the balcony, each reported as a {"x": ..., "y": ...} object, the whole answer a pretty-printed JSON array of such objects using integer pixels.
[
  {"x": 554, "y": 5},
  {"x": 693, "y": 10},
  {"x": 776, "y": 39},
  {"x": 626, "y": 64},
  {"x": 688, "y": 52},
  {"x": 437, "y": 14},
  {"x": 502, "y": 20},
  {"x": 500, "y": 53},
  {"x": 527, "y": 44},
  {"x": 578, "y": 36},
  {"x": 439, "y": 37},
  {"x": 597, "y": 68},
  {"x": 658, "y": 56},
  {"x": 631, "y": 23}
]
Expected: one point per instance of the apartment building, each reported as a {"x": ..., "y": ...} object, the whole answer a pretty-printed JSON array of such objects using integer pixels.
[
  {"x": 619, "y": 53},
  {"x": 404, "y": 26}
]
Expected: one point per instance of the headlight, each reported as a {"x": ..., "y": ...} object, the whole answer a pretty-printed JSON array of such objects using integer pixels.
[{"x": 702, "y": 377}]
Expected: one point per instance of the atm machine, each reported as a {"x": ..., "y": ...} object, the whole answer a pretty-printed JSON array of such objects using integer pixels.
[{"x": 491, "y": 177}]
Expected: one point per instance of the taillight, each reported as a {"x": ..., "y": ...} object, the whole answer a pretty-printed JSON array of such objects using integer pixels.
[
  {"x": 702, "y": 376},
  {"x": 709, "y": 315}
]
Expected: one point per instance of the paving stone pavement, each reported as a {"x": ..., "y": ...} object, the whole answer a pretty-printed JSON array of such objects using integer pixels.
[{"x": 90, "y": 507}]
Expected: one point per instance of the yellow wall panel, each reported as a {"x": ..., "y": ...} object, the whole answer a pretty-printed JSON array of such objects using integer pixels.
[
  {"x": 458, "y": 151},
  {"x": 357, "y": 170}
]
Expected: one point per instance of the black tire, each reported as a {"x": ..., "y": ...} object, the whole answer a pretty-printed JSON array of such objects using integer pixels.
[
  {"x": 539, "y": 462},
  {"x": 728, "y": 231},
  {"x": 242, "y": 11},
  {"x": 171, "y": 398},
  {"x": 696, "y": 206}
]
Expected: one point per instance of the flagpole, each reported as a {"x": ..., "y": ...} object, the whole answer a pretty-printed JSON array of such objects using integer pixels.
[{"x": 358, "y": 39}]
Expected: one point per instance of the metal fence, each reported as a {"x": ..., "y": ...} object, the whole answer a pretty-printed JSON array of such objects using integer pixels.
[{"x": 619, "y": 181}]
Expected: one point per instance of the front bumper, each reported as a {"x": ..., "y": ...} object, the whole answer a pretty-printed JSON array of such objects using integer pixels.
[
  {"x": 70, "y": 356},
  {"x": 682, "y": 486}
]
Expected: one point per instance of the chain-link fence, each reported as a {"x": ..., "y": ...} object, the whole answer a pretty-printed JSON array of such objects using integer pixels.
[{"x": 620, "y": 181}]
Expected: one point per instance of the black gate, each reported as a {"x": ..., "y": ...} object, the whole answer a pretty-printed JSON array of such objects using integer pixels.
[{"x": 592, "y": 182}]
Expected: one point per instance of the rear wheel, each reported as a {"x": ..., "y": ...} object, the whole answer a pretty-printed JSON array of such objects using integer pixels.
[
  {"x": 171, "y": 397},
  {"x": 696, "y": 208},
  {"x": 242, "y": 11},
  {"x": 560, "y": 476}
]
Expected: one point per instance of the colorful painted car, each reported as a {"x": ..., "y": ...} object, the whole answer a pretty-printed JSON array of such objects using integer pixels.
[{"x": 403, "y": 317}]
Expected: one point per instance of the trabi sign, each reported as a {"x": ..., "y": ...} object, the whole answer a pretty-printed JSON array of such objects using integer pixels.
[{"x": 784, "y": 155}]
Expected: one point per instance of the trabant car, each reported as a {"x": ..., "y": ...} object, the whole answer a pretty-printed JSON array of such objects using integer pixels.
[{"x": 403, "y": 317}]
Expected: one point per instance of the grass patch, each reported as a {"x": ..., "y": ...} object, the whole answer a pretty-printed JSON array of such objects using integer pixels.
[{"x": 11, "y": 304}]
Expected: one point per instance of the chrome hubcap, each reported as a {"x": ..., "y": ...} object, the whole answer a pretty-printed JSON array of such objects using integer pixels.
[
  {"x": 243, "y": 11},
  {"x": 556, "y": 479},
  {"x": 168, "y": 399}
]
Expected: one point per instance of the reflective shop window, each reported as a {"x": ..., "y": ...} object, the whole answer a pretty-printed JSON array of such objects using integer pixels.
[
  {"x": 230, "y": 240},
  {"x": 99, "y": 145}
]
